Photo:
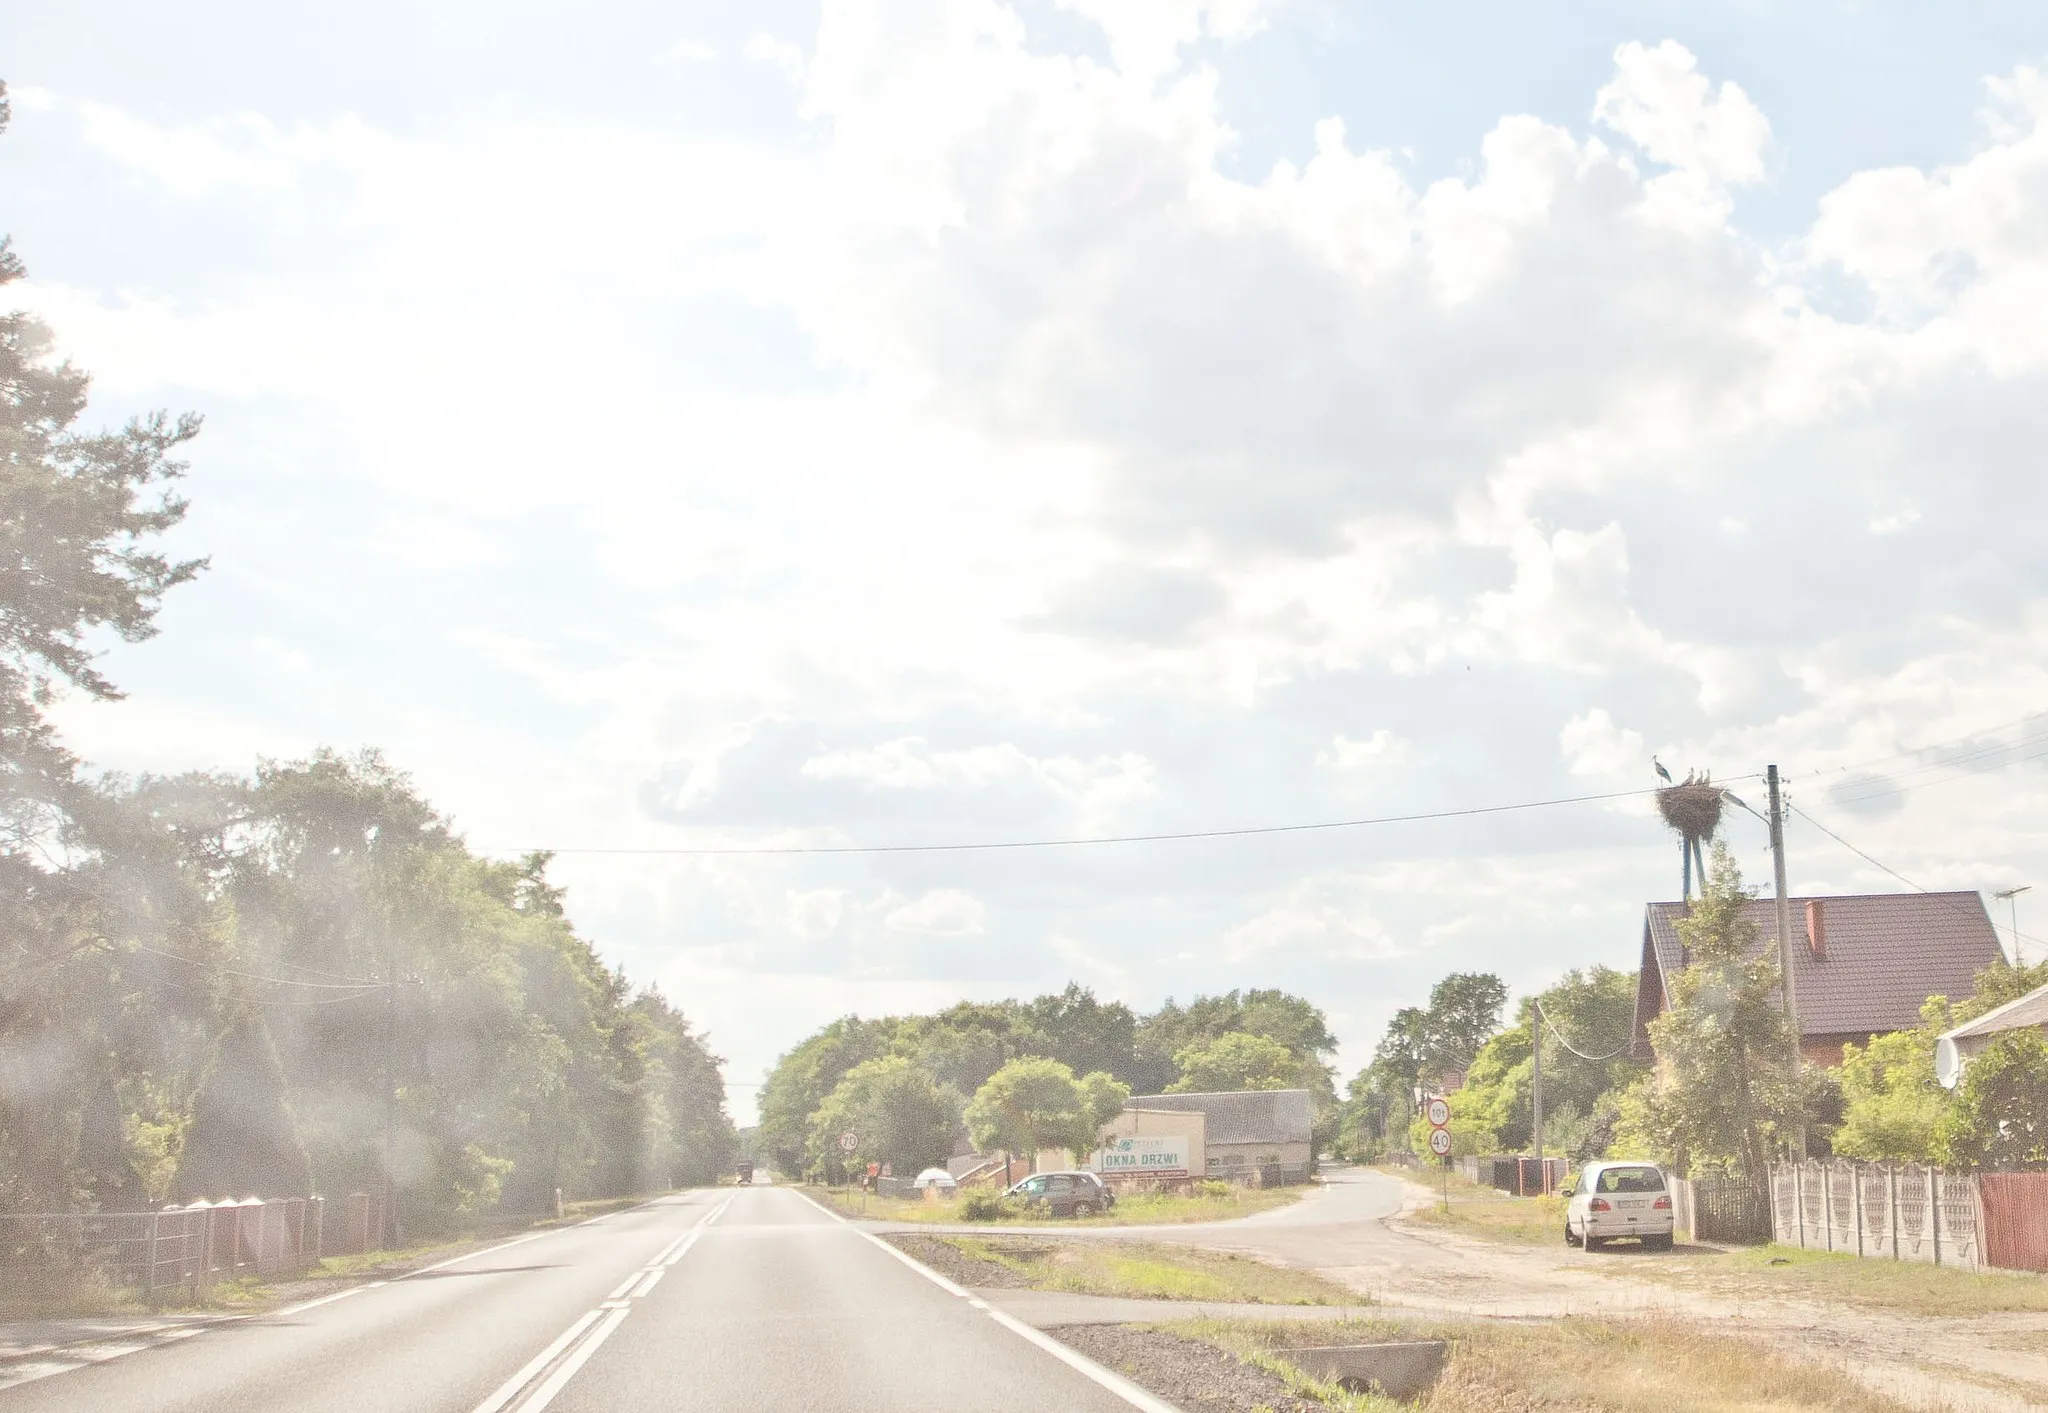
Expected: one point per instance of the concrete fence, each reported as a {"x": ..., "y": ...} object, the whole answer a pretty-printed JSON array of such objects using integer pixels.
[
  {"x": 181, "y": 1249},
  {"x": 1899, "y": 1211}
]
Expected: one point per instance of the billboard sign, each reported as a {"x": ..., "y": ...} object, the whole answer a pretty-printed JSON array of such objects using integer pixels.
[{"x": 1163, "y": 1155}]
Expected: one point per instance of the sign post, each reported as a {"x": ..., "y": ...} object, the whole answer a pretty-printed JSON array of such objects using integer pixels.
[{"x": 1439, "y": 1115}]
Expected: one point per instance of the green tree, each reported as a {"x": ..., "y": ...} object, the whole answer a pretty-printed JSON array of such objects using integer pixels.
[
  {"x": 1892, "y": 1105},
  {"x": 1103, "y": 1096},
  {"x": 242, "y": 1141},
  {"x": 802, "y": 1080},
  {"x": 2000, "y": 1116},
  {"x": 1031, "y": 1103},
  {"x": 1724, "y": 1093},
  {"x": 1233, "y": 1062},
  {"x": 899, "y": 1113},
  {"x": 1464, "y": 1012},
  {"x": 1083, "y": 1033}
]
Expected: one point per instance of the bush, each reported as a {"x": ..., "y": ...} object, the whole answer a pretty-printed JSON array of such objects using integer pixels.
[
  {"x": 1214, "y": 1187},
  {"x": 984, "y": 1205}
]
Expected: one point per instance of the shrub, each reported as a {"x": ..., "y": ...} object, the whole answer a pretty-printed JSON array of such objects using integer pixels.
[
  {"x": 984, "y": 1205},
  {"x": 1213, "y": 1187}
]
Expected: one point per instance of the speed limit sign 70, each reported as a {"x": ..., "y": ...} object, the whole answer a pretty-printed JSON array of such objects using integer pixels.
[
  {"x": 1440, "y": 1142},
  {"x": 848, "y": 1141},
  {"x": 1439, "y": 1113}
]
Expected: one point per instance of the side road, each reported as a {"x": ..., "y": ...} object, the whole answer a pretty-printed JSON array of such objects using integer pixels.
[{"x": 1352, "y": 1232}]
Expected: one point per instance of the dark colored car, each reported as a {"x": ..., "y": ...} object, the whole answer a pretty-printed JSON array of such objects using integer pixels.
[{"x": 1065, "y": 1194}]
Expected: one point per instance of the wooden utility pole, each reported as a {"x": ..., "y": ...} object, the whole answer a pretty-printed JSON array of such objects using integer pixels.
[{"x": 1536, "y": 1079}]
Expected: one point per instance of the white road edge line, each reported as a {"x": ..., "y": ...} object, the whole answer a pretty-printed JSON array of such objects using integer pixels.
[{"x": 1116, "y": 1383}]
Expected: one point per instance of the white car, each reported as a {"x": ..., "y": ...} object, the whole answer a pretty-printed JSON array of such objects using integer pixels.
[{"x": 1612, "y": 1199}]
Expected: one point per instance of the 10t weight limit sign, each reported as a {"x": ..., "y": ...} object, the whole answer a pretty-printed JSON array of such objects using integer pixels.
[{"x": 1439, "y": 1116}]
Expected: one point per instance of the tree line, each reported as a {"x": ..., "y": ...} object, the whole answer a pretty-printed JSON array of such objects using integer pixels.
[
  {"x": 1022, "y": 1075},
  {"x": 282, "y": 982}
]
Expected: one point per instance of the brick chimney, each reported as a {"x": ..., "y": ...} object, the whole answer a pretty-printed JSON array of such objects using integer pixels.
[{"x": 1816, "y": 930}]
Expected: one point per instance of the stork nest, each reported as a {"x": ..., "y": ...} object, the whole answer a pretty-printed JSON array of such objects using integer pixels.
[{"x": 1692, "y": 809}]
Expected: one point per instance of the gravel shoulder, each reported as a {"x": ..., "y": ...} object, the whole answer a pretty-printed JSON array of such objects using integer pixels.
[{"x": 1191, "y": 1374}]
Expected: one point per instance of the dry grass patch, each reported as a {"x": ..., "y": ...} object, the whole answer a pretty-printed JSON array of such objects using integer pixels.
[
  {"x": 1148, "y": 1272},
  {"x": 1134, "y": 1209},
  {"x": 1903, "y": 1287},
  {"x": 1585, "y": 1365},
  {"x": 1493, "y": 1215}
]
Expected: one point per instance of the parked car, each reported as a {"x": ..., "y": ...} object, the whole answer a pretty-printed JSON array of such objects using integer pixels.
[
  {"x": 1075, "y": 1194},
  {"x": 1609, "y": 1200}
]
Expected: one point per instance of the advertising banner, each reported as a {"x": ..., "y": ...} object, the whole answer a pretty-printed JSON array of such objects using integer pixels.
[{"x": 1160, "y": 1156}]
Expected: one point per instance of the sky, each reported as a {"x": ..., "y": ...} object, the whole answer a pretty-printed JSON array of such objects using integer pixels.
[{"x": 875, "y": 422}]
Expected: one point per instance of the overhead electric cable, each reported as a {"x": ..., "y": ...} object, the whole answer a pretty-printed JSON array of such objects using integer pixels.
[
  {"x": 2018, "y": 936},
  {"x": 1115, "y": 838},
  {"x": 1551, "y": 1026},
  {"x": 254, "y": 976}
]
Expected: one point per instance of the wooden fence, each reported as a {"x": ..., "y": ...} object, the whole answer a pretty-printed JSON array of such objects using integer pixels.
[{"x": 2015, "y": 1207}]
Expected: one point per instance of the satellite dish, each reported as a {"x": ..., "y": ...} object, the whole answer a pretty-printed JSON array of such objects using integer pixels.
[{"x": 1948, "y": 1062}]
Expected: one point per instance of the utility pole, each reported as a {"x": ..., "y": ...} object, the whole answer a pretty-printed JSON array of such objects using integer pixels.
[
  {"x": 1790, "y": 988},
  {"x": 389, "y": 1235},
  {"x": 1536, "y": 1082},
  {"x": 1786, "y": 981}
]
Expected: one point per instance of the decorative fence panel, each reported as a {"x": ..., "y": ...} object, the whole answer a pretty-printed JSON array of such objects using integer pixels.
[{"x": 1905, "y": 1212}]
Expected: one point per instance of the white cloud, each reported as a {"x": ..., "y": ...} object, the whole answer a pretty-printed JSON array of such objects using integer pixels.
[
  {"x": 1383, "y": 747},
  {"x": 1660, "y": 101},
  {"x": 1594, "y": 745},
  {"x": 943, "y": 912}
]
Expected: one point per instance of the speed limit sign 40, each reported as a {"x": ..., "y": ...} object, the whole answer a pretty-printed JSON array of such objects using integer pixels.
[
  {"x": 1440, "y": 1142},
  {"x": 1439, "y": 1113}
]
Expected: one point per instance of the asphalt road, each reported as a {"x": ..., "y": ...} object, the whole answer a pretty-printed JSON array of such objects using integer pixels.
[{"x": 744, "y": 1299}]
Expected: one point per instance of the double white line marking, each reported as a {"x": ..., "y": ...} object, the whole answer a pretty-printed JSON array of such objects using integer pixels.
[{"x": 572, "y": 1348}]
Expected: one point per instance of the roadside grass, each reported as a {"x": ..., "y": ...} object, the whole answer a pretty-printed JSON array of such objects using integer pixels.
[
  {"x": 1135, "y": 1209},
  {"x": 1638, "y": 1366},
  {"x": 1491, "y": 1214},
  {"x": 1150, "y": 1272},
  {"x": 1900, "y": 1287}
]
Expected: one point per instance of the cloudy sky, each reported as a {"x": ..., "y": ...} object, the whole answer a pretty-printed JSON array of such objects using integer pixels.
[{"x": 692, "y": 426}]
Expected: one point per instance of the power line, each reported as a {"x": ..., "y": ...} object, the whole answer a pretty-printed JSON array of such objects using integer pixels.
[
  {"x": 1466, "y": 813},
  {"x": 1551, "y": 1026},
  {"x": 2018, "y": 936},
  {"x": 254, "y": 976}
]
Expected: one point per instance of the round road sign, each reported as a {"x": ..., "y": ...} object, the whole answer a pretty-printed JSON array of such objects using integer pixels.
[
  {"x": 1440, "y": 1142},
  {"x": 1439, "y": 1113},
  {"x": 848, "y": 1141}
]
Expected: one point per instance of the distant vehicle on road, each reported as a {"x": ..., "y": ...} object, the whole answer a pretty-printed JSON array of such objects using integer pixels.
[
  {"x": 1609, "y": 1200},
  {"x": 746, "y": 1172},
  {"x": 1073, "y": 1194}
]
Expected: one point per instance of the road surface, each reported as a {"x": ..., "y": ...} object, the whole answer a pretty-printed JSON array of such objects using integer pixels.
[{"x": 740, "y": 1299}]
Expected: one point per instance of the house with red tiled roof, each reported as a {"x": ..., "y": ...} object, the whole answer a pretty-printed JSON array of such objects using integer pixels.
[{"x": 1861, "y": 965}]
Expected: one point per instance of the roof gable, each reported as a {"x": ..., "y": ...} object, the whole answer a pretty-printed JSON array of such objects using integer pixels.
[
  {"x": 2028, "y": 1010},
  {"x": 1243, "y": 1116},
  {"x": 1886, "y": 954}
]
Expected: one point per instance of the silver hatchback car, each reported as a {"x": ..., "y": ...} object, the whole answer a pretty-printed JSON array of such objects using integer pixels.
[{"x": 1618, "y": 1199}]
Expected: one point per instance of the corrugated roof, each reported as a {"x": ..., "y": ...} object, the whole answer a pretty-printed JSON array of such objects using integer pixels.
[
  {"x": 1246, "y": 1116},
  {"x": 1886, "y": 954},
  {"x": 2030, "y": 1009}
]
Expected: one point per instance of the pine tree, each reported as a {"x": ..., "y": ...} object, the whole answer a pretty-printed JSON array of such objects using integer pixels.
[{"x": 242, "y": 1141}]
